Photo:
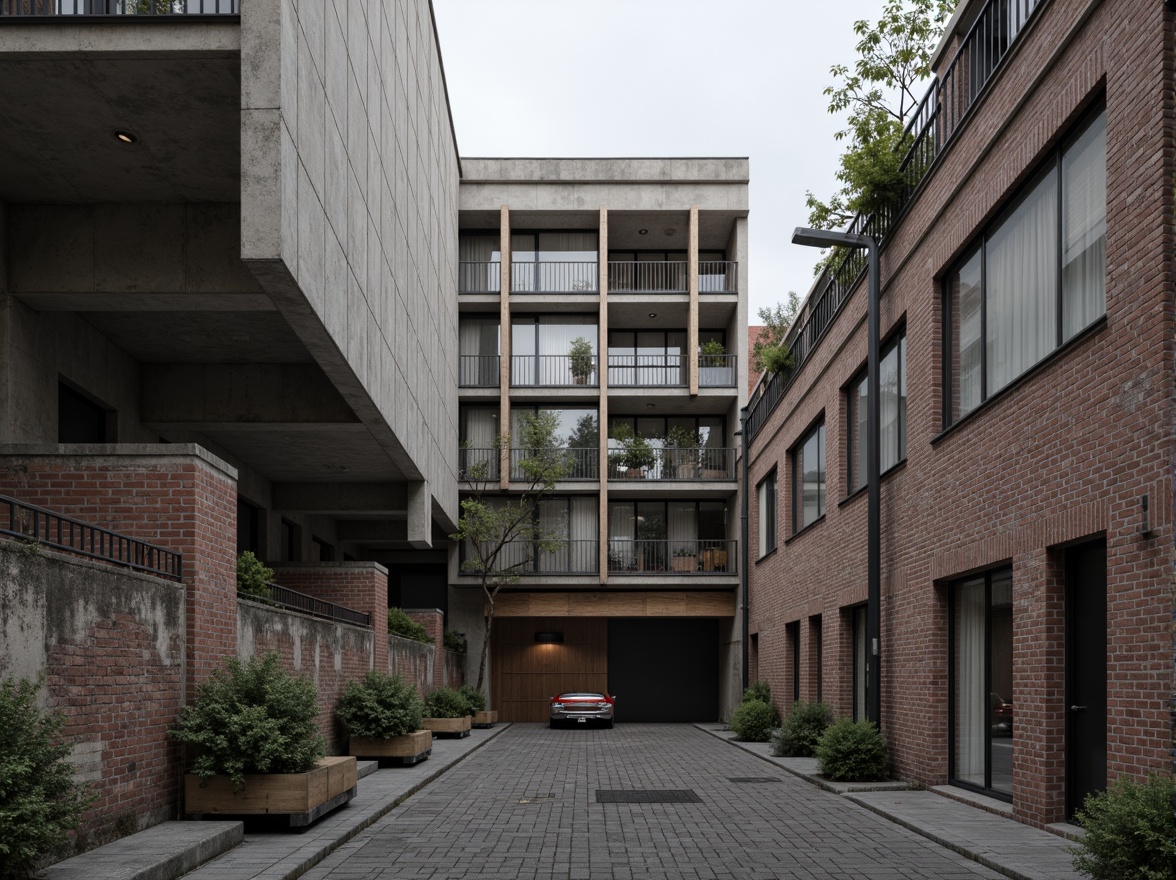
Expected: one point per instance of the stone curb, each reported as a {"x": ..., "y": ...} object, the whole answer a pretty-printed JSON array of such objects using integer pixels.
[{"x": 162, "y": 852}]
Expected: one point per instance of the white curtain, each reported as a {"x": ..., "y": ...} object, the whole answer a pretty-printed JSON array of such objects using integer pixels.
[
  {"x": 971, "y": 700},
  {"x": 889, "y": 409},
  {"x": 480, "y": 431},
  {"x": 621, "y": 531},
  {"x": 1022, "y": 286},
  {"x": 966, "y": 309},
  {"x": 1084, "y": 229}
]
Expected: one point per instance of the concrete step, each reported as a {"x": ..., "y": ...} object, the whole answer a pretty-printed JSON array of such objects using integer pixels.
[{"x": 162, "y": 852}]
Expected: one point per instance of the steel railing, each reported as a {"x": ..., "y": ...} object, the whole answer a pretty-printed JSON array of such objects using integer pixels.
[
  {"x": 105, "y": 8},
  {"x": 292, "y": 600},
  {"x": 549, "y": 370},
  {"x": 478, "y": 370},
  {"x": 553, "y": 277},
  {"x": 697, "y": 463},
  {"x": 583, "y": 463},
  {"x": 479, "y": 277},
  {"x": 646, "y": 370},
  {"x": 647, "y": 277},
  {"x": 643, "y": 557},
  {"x": 478, "y": 463},
  {"x": 525, "y": 559},
  {"x": 718, "y": 370},
  {"x": 718, "y": 276},
  {"x": 931, "y": 128},
  {"x": 31, "y": 523}
]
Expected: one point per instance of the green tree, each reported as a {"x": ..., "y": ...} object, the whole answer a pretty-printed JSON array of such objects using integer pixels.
[
  {"x": 503, "y": 535},
  {"x": 769, "y": 354},
  {"x": 893, "y": 58}
]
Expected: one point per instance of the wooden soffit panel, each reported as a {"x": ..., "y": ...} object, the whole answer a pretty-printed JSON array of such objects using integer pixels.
[{"x": 627, "y": 604}]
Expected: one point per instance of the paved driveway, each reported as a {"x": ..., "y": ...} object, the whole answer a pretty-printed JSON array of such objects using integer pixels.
[{"x": 529, "y": 805}]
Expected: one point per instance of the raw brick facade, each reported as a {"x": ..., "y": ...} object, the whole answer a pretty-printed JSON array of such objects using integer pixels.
[
  {"x": 434, "y": 623},
  {"x": 1060, "y": 457}
]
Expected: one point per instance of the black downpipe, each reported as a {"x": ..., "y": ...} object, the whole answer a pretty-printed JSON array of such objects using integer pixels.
[{"x": 744, "y": 550}]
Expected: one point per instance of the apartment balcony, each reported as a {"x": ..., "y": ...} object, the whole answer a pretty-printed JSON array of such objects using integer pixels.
[
  {"x": 714, "y": 276},
  {"x": 118, "y": 7},
  {"x": 478, "y": 464},
  {"x": 481, "y": 463},
  {"x": 718, "y": 370},
  {"x": 671, "y": 557},
  {"x": 478, "y": 370},
  {"x": 527, "y": 560},
  {"x": 554, "y": 277},
  {"x": 550, "y": 371},
  {"x": 647, "y": 371},
  {"x": 702, "y": 464},
  {"x": 479, "y": 277}
]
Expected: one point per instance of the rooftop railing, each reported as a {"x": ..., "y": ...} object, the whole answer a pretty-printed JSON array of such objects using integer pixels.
[
  {"x": 292, "y": 600},
  {"x": 108, "y": 8},
  {"x": 935, "y": 121},
  {"x": 36, "y": 524}
]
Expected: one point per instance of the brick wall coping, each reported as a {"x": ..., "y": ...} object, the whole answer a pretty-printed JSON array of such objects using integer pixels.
[
  {"x": 60, "y": 557},
  {"x": 422, "y": 611},
  {"x": 359, "y": 565},
  {"x": 88, "y": 454}
]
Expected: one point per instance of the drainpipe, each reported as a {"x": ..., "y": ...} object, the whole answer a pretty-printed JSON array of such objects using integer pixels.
[{"x": 744, "y": 552}]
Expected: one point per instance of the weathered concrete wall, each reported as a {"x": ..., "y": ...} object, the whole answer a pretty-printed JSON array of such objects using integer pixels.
[
  {"x": 415, "y": 661},
  {"x": 349, "y": 214},
  {"x": 109, "y": 646},
  {"x": 454, "y": 669},
  {"x": 329, "y": 654}
]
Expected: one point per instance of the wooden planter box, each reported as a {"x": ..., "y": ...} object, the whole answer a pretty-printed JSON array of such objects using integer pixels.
[
  {"x": 684, "y": 563},
  {"x": 714, "y": 560},
  {"x": 407, "y": 749},
  {"x": 457, "y": 727},
  {"x": 301, "y": 797},
  {"x": 485, "y": 718}
]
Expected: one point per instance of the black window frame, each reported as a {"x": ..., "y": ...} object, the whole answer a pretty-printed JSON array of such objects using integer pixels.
[
  {"x": 796, "y": 457},
  {"x": 896, "y": 341},
  {"x": 771, "y": 531}
]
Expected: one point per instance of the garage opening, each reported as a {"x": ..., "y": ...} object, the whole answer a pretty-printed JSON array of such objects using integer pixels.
[{"x": 664, "y": 669}]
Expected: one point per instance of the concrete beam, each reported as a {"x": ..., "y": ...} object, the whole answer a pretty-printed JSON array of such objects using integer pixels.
[
  {"x": 159, "y": 301},
  {"x": 372, "y": 531},
  {"x": 339, "y": 499},
  {"x": 420, "y": 515},
  {"x": 241, "y": 394}
]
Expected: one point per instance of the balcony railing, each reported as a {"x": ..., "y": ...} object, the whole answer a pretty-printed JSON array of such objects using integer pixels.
[
  {"x": 284, "y": 597},
  {"x": 36, "y": 524},
  {"x": 478, "y": 370},
  {"x": 479, "y": 277},
  {"x": 646, "y": 371},
  {"x": 81, "y": 8},
  {"x": 549, "y": 371},
  {"x": 647, "y": 277},
  {"x": 934, "y": 123},
  {"x": 525, "y": 559},
  {"x": 583, "y": 463},
  {"x": 671, "y": 557},
  {"x": 717, "y": 370},
  {"x": 552, "y": 277},
  {"x": 698, "y": 464},
  {"x": 478, "y": 463},
  {"x": 718, "y": 276}
]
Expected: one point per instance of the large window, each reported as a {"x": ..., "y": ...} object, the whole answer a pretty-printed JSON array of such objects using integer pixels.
[
  {"x": 673, "y": 536},
  {"x": 808, "y": 479},
  {"x": 766, "y": 492},
  {"x": 571, "y": 525},
  {"x": 479, "y": 267},
  {"x": 891, "y": 413},
  {"x": 553, "y": 350},
  {"x": 982, "y": 681},
  {"x": 577, "y": 431},
  {"x": 646, "y": 358},
  {"x": 1036, "y": 278},
  {"x": 553, "y": 262},
  {"x": 478, "y": 350}
]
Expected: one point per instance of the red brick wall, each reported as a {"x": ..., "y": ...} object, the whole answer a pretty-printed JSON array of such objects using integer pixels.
[
  {"x": 434, "y": 623},
  {"x": 414, "y": 661},
  {"x": 1062, "y": 456}
]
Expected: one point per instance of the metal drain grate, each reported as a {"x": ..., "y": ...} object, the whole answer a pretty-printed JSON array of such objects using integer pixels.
[
  {"x": 644, "y": 796},
  {"x": 753, "y": 779}
]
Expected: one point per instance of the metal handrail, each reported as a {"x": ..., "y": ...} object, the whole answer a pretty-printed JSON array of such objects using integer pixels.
[
  {"x": 292, "y": 600},
  {"x": 548, "y": 370},
  {"x": 478, "y": 370},
  {"x": 479, "y": 277},
  {"x": 583, "y": 463},
  {"x": 31, "y": 523},
  {"x": 139, "y": 9},
  {"x": 646, "y": 371},
  {"x": 670, "y": 557},
  {"x": 541, "y": 276},
  {"x": 717, "y": 370},
  {"x": 570, "y": 557},
  {"x": 647, "y": 276},
  {"x": 701, "y": 463},
  {"x": 718, "y": 276}
]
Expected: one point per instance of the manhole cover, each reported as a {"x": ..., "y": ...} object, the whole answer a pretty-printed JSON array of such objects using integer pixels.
[
  {"x": 639, "y": 796},
  {"x": 753, "y": 779}
]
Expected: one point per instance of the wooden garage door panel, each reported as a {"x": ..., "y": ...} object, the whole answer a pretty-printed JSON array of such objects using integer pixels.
[{"x": 522, "y": 685}]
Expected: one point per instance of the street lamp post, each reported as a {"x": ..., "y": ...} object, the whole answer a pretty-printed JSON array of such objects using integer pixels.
[{"x": 824, "y": 238}]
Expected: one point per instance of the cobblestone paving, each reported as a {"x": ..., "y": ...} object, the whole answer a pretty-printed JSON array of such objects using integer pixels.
[{"x": 525, "y": 807}]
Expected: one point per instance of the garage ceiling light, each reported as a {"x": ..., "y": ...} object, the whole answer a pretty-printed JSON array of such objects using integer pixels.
[{"x": 126, "y": 137}]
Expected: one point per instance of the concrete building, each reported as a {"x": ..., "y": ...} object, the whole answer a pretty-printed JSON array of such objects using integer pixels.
[{"x": 1026, "y": 426}]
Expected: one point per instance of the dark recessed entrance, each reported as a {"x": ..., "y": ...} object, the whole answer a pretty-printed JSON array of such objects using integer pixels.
[{"x": 664, "y": 669}]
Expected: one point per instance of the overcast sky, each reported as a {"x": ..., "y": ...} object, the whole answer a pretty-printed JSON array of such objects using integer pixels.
[{"x": 588, "y": 78}]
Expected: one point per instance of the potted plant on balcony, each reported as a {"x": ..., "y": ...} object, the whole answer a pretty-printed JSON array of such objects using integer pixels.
[
  {"x": 633, "y": 454},
  {"x": 682, "y": 447},
  {"x": 580, "y": 359},
  {"x": 685, "y": 559},
  {"x": 714, "y": 371},
  {"x": 258, "y": 748},
  {"x": 382, "y": 717},
  {"x": 447, "y": 712}
]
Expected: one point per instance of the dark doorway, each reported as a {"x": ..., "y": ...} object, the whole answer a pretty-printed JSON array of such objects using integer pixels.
[
  {"x": 79, "y": 419},
  {"x": 1086, "y": 672},
  {"x": 664, "y": 669}
]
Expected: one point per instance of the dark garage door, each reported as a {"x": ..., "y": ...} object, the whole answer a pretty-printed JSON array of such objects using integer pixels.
[{"x": 664, "y": 669}]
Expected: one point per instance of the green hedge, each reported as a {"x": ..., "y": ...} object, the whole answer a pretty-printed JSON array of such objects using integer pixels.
[
  {"x": 753, "y": 720},
  {"x": 1130, "y": 832},
  {"x": 446, "y": 702},
  {"x": 400, "y": 624},
  {"x": 853, "y": 751},
  {"x": 380, "y": 707},
  {"x": 798, "y": 736}
]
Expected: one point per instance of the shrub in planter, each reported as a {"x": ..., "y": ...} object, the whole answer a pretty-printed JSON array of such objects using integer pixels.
[
  {"x": 253, "y": 576},
  {"x": 852, "y": 751},
  {"x": 1130, "y": 832},
  {"x": 251, "y": 717},
  {"x": 802, "y": 730},
  {"x": 752, "y": 721},
  {"x": 445, "y": 702},
  {"x": 455, "y": 641},
  {"x": 40, "y": 803},
  {"x": 400, "y": 624},
  {"x": 380, "y": 707},
  {"x": 475, "y": 700}
]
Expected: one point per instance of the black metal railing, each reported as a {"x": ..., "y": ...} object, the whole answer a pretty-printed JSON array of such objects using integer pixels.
[
  {"x": 647, "y": 277},
  {"x": 675, "y": 463},
  {"x": 646, "y": 371},
  {"x": 553, "y": 277},
  {"x": 931, "y": 128},
  {"x": 549, "y": 370},
  {"x": 292, "y": 600},
  {"x": 717, "y": 370},
  {"x": 670, "y": 557},
  {"x": 31, "y": 523},
  {"x": 478, "y": 463},
  {"x": 479, "y": 277},
  {"x": 718, "y": 276},
  {"x": 478, "y": 370},
  {"x": 583, "y": 463},
  {"x": 84, "y": 8},
  {"x": 525, "y": 559}
]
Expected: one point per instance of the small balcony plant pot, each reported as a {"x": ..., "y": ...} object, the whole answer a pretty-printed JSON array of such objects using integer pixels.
[
  {"x": 684, "y": 563},
  {"x": 405, "y": 750},
  {"x": 300, "y": 797},
  {"x": 452, "y": 727},
  {"x": 714, "y": 560},
  {"x": 485, "y": 718}
]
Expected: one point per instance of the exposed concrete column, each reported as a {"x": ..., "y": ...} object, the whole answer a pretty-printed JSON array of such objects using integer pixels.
[
  {"x": 692, "y": 330},
  {"x": 504, "y": 345},
  {"x": 602, "y": 409},
  {"x": 6, "y": 348},
  {"x": 420, "y": 515}
]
